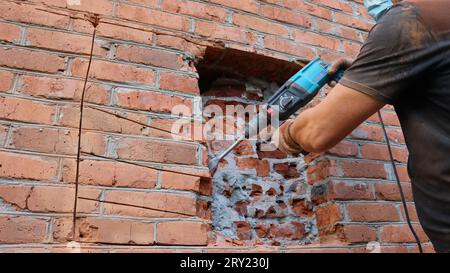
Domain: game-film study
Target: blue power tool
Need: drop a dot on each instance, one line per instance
(301, 88)
(298, 91)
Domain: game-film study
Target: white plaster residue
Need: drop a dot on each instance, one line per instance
(73, 2)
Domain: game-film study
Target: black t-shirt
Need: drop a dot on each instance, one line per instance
(406, 62)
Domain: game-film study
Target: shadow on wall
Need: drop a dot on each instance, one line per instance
(260, 195)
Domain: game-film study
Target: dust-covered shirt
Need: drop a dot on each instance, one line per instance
(406, 62)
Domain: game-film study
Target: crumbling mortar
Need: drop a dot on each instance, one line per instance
(60, 171)
(6, 207)
(8, 138)
(68, 63)
(23, 33)
(114, 8)
(49, 231)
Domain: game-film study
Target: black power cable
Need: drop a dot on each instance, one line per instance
(402, 195)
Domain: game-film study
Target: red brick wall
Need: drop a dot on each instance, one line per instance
(144, 64)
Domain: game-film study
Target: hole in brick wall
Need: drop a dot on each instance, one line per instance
(252, 188)
(241, 66)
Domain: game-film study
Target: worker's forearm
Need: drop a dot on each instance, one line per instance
(323, 126)
(308, 134)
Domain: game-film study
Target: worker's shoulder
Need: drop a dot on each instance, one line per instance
(403, 27)
(433, 13)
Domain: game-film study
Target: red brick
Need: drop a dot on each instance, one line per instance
(261, 167)
(58, 141)
(285, 15)
(354, 234)
(26, 110)
(402, 172)
(61, 199)
(146, 3)
(302, 208)
(244, 148)
(344, 149)
(107, 173)
(150, 101)
(15, 195)
(162, 128)
(390, 118)
(372, 212)
(287, 170)
(173, 203)
(328, 215)
(155, 151)
(3, 134)
(321, 170)
(320, 40)
(181, 233)
(124, 32)
(180, 44)
(351, 21)
(308, 8)
(368, 132)
(380, 152)
(328, 56)
(97, 7)
(37, 168)
(180, 182)
(411, 211)
(107, 231)
(103, 70)
(396, 135)
(195, 9)
(292, 230)
(361, 10)
(347, 7)
(243, 230)
(259, 24)
(351, 34)
(31, 60)
(287, 46)
(374, 118)
(176, 82)
(6, 81)
(17, 230)
(204, 209)
(390, 191)
(363, 169)
(401, 234)
(21, 12)
(152, 57)
(245, 5)
(339, 190)
(9, 33)
(352, 49)
(62, 41)
(66, 89)
(152, 17)
(213, 30)
(100, 121)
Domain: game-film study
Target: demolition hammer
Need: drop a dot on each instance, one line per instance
(298, 91)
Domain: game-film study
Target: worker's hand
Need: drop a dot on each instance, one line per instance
(342, 64)
(283, 140)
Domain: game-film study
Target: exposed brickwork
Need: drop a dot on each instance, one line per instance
(144, 64)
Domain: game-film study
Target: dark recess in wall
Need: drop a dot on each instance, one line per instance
(231, 63)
